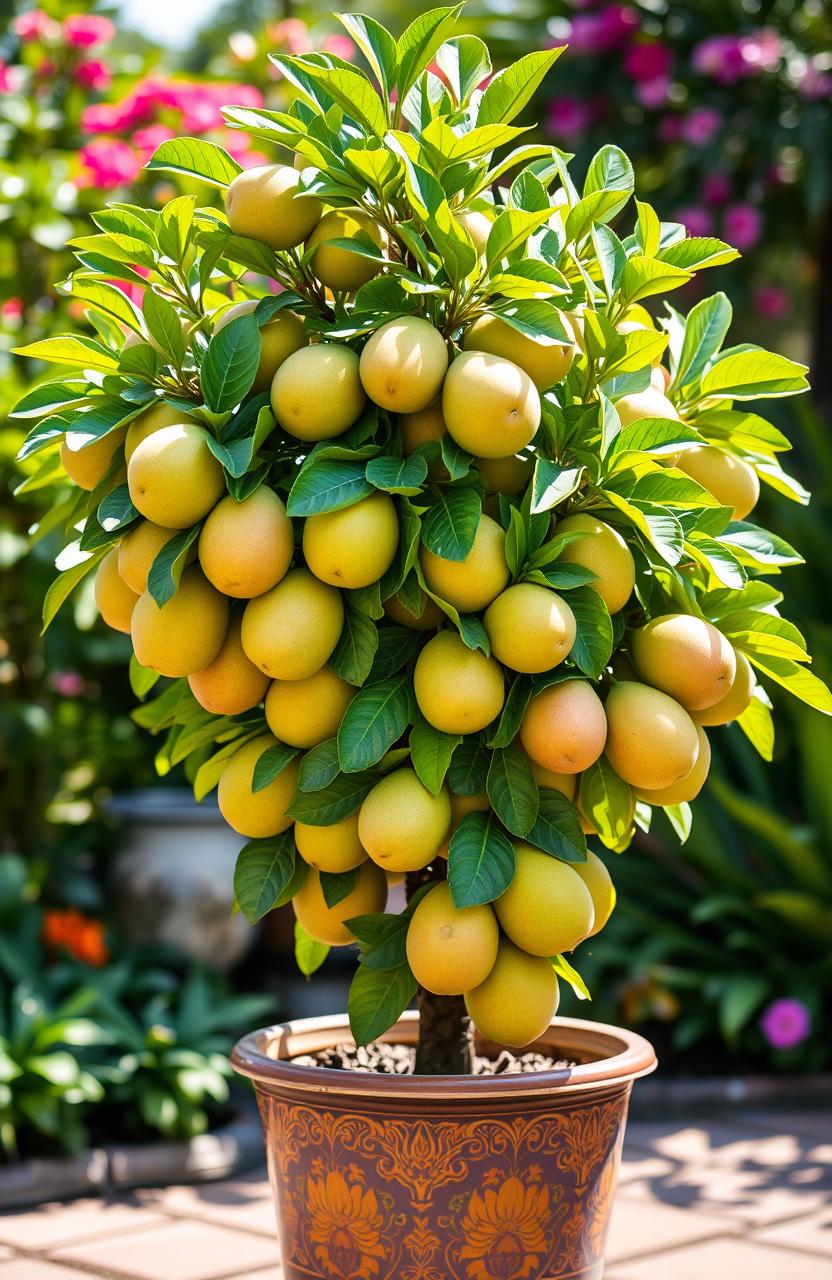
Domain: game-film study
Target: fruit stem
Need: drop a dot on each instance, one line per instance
(446, 1040)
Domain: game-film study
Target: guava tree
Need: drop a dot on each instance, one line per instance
(443, 567)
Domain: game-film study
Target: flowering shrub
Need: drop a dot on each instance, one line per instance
(729, 119)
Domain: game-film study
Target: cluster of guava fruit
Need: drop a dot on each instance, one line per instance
(432, 542)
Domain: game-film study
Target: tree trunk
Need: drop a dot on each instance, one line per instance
(446, 1041)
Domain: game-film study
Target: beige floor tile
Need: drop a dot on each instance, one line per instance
(178, 1251)
(243, 1203)
(270, 1273)
(38, 1269)
(724, 1260)
(639, 1228)
(813, 1233)
(56, 1224)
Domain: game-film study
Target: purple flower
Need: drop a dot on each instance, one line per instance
(719, 57)
(653, 94)
(716, 188)
(602, 31)
(697, 221)
(568, 117)
(700, 125)
(786, 1023)
(648, 61)
(743, 225)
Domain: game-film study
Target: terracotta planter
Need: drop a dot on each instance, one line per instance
(443, 1177)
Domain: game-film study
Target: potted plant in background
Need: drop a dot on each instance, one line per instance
(445, 570)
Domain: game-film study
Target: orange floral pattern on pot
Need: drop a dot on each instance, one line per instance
(451, 1192)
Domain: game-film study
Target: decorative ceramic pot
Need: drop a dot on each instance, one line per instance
(507, 1177)
(172, 877)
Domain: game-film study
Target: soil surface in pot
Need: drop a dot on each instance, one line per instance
(400, 1060)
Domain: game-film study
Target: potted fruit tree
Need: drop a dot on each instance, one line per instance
(441, 545)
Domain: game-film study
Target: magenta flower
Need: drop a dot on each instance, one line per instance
(815, 83)
(743, 225)
(762, 51)
(568, 117)
(697, 221)
(716, 188)
(786, 1023)
(670, 128)
(721, 58)
(700, 125)
(94, 75)
(653, 94)
(648, 61)
(602, 31)
(109, 163)
(83, 30)
(771, 301)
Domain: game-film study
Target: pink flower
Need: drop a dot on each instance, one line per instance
(340, 46)
(696, 220)
(94, 75)
(6, 78)
(83, 30)
(648, 61)
(762, 51)
(716, 188)
(109, 163)
(815, 83)
(743, 225)
(69, 684)
(292, 34)
(146, 140)
(719, 57)
(786, 1023)
(36, 24)
(11, 311)
(568, 117)
(603, 31)
(653, 94)
(700, 125)
(670, 128)
(771, 301)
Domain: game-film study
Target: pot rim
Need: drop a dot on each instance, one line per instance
(613, 1055)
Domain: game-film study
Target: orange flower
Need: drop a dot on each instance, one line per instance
(82, 937)
(345, 1227)
(505, 1232)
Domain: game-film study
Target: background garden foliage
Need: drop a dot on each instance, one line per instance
(738, 919)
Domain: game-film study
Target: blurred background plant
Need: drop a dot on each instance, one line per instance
(723, 944)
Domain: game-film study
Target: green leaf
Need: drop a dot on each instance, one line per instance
(510, 90)
(746, 373)
(469, 766)
(164, 326)
(71, 349)
(510, 230)
(450, 526)
(465, 62)
(396, 646)
(481, 861)
(50, 397)
(592, 649)
(329, 804)
(197, 158)
(309, 952)
(552, 484)
(230, 364)
(351, 90)
(535, 318)
(799, 682)
(644, 277)
(353, 656)
(564, 970)
(694, 253)
(419, 42)
(431, 752)
(336, 886)
(557, 828)
(327, 486)
(166, 571)
(375, 719)
(264, 868)
(705, 329)
(513, 711)
(512, 790)
(741, 997)
(142, 679)
(607, 803)
(65, 584)
(175, 224)
(377, 998)
(398, 475)
(270, 764)
(377, 45)
(758, 726)
(319, 766)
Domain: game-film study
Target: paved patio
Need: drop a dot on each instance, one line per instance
(746, 1197)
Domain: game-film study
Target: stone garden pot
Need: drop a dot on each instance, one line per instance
(172, 877)
(506, 1177)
